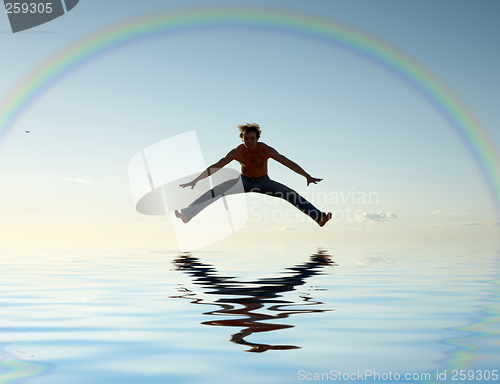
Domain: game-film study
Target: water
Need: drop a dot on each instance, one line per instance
(276, 312)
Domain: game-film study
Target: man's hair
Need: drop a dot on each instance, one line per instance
(249, 127)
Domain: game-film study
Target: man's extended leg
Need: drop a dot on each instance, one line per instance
(272, 188)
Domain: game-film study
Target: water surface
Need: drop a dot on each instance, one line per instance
(141, 312)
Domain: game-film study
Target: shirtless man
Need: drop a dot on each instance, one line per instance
(253, 157)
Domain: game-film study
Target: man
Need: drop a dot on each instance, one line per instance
(253, 156)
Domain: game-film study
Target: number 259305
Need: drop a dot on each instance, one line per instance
(28, 7)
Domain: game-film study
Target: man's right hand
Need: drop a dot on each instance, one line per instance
(312, 180)
(190, 184)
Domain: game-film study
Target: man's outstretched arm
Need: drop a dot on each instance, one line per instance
(212, 169)
(292, 165)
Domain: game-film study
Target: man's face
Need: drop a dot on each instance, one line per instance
(249, 139)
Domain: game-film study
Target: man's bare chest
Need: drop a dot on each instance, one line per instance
(253, 159)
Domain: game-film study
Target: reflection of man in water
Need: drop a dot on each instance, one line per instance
(253, 306)
(253, 156)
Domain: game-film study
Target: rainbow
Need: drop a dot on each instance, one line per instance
(462, 122)
(482, 325)
(14, 370)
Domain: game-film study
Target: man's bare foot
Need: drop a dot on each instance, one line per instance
(181, 216)
(324, 219)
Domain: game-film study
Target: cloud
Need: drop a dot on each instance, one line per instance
(439, 212)
(286, 228)
(356, 229)
(481, 223)
(373, 217)
(82, 181)
(472, 223)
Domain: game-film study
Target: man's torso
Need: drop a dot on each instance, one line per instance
(253, 163)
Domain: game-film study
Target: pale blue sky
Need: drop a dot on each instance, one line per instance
(341, 117)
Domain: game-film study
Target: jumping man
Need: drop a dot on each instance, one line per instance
(253, 156)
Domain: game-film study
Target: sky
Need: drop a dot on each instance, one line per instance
(382, 149)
